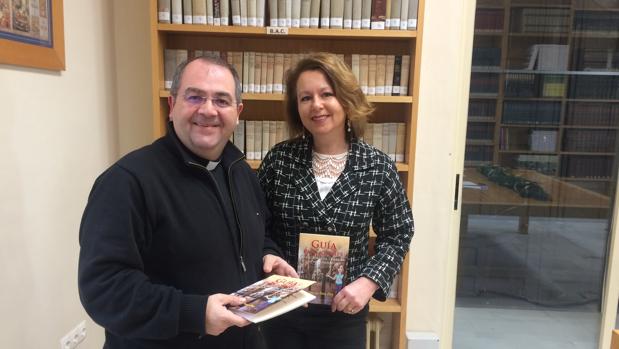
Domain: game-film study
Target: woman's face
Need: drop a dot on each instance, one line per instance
(321, 113)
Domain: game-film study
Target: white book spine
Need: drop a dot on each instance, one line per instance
(289, 13)
(296, 14)
(209, 12)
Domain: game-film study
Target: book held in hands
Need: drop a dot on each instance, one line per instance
(272, 297)
(323, 259)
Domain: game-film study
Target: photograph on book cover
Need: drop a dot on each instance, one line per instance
(31, 33)
(323, 258)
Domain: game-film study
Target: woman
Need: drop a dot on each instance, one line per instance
(327, 181)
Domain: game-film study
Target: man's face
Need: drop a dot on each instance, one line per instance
(205, 111)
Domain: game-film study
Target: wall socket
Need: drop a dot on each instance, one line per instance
(72, 339)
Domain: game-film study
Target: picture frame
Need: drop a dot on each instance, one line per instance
(32, 34)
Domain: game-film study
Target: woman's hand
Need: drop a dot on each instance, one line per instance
(352, 298)
(276, 265)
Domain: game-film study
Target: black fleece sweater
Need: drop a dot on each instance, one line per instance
(156, 241)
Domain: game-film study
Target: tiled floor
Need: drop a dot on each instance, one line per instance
(481, 328)
(546, 272)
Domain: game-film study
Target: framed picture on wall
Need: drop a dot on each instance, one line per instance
(32, 33)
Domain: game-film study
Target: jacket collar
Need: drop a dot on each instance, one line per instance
(230, 154)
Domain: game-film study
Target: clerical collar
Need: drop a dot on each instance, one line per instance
(212, 165)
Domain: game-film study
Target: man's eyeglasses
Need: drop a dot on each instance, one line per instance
(196, 100)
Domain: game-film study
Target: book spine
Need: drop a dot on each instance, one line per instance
(199, 11)
(169, 65)
(278, 73)
(281, 13)
(372, 75)
(250, 132)
(389, 75)
(289, 13)
(209, 12)
(235, 6)
(347, 14)
(224, 8)
(187, 12)
(273, 20)
(260, 8)
(357, 8)
(257, 72)
(177, 11)
(258, 140)
(325, 13)
(381, 67)
(400, 142)
(396, 12)
(337, 14)
(296, 14)
(412, 14)
(315, 14)
(266, 135)
(217, 12)
(366, 14)
(404, 15)
(379, 9)
(406, 60)
(239, 136)
(305, 13)
(244, 9)
(363, 73)
(251, 13)
(163, 11)
(251, 72)
(397, 72)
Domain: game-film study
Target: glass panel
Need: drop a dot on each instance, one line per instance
(540, 167)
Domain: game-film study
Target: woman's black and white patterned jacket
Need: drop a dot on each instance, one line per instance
(369, 191)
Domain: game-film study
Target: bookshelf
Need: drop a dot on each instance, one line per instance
(545, 89)
(269, 106)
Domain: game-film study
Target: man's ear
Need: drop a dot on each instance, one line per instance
(171, 102)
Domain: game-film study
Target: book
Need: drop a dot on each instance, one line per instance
(366, 14)
(273, 18)
(356, 14)
(404, 15)
(258, 140)
(216, 12)
(235, 7)
(239, 136)
(378, 15)
(281, 13)
(209, 12)
(260, 8)
(224, 12)
(412, 14)
(406, 61)
(381, 66)
(272, 297)
(371, 75)
(400, 144)
(289, 13)
(325, 13)
(323, 259)
(296, 14)
(177, 11)
(389, 75)
(347, 14)
(314, 13)
(187, 12)
(270, 72)
(388, 15)
(244, 9)
(251, 13)
(305, 13)
(278, 73)
(396, 7)
(337, 14)
(250, 132)
(363, 73)
(163, 8)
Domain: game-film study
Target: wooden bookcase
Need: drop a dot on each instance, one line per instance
(577, 101)
(257, 106)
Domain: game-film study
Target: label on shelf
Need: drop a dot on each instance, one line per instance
(277, 30)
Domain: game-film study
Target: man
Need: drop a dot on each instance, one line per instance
(171, 229)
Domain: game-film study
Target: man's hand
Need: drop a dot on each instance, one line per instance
(218, 317)
(352, 298)
(276, 265)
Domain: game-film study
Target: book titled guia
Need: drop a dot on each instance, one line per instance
(323, 259)
(272, 297)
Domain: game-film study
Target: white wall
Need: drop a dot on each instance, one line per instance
(445, 70)
(59, 131)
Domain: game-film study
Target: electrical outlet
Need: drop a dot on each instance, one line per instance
(72, 339)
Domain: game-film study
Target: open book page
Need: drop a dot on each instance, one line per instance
(271, 297)
(323, 259)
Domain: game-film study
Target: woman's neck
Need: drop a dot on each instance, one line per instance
(329, 146)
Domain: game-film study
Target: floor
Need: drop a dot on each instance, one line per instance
(539, 290)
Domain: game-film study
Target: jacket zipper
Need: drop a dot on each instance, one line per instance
(236, 218)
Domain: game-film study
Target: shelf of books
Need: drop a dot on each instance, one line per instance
(544, 91)
(379, 39)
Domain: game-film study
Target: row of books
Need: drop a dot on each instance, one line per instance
(592, 114)
(486, 57)
(490, 20)
(535, 85)
(336, 14)
(482, 108)
(594, 87)
(596, 21)
(264, 72)
(480, 131)
(540, 20)
(596, 59)
(484, 84)
(531, 112)
(595, 141)
(583, 166)
(256, 137)
(478, 153)
(543, 141)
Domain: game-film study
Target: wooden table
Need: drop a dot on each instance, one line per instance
(567, 200)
